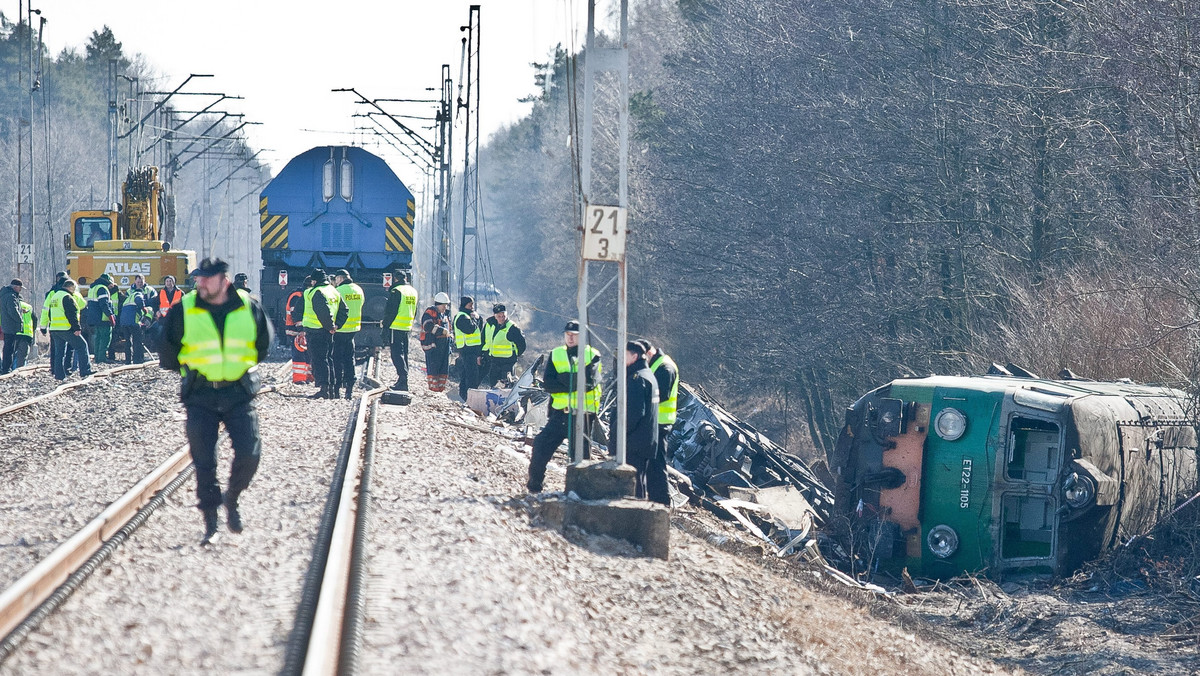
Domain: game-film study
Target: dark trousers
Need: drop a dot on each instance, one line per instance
(135, 343)
(203, 425)
(469, 359)
(400, 358)
(559, 427)
(20, 350)
(343, 360)
(652, 478)
(58, 354)
(78, 352)
(498, 369)
(320, 355)
(6, 358)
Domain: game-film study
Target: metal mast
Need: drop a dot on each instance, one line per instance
(603, 227)
(468, 277)
(439, 272)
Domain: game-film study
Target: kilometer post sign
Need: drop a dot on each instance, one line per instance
(604, 233)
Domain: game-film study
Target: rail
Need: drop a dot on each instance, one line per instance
(62, 389)
(325, 637)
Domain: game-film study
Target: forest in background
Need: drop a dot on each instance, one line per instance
(70, 129)
(826, 195)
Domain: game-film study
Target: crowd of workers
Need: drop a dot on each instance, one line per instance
(216, 335)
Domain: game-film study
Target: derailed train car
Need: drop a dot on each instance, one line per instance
(1004, 474)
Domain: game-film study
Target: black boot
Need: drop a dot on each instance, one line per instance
(233, 519)
(348, 395)
(210, 526)
(322, 393)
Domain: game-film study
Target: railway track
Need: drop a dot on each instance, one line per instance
(330, 581)
(68, 387)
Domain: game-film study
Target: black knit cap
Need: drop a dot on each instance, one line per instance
(210, 267)
(464, 301)
(635, 347)
(317, 275)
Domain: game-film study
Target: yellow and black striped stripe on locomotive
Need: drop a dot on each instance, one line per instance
(273, 228)
(399, 233)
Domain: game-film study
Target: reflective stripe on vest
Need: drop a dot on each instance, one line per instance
(218, 356)
(94, 295)
(310, 320)
(169, 300)
(496, 342)
(132, 294)
(408, 308)
(564, 364)
(352, 296)
(668, 407)
(26, 320)
(53, 316)
(462, 340)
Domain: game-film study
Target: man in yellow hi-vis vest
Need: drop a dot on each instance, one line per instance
(398, 316)
(215, 337)
(353, 299)
(559, 379)
(469, 342)
(666, 373)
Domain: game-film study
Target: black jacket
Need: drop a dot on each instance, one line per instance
(641, 413)
(468, 323)
(554, 382)
(10, 311)
(71, 311)
(514, 334)
(168, 357)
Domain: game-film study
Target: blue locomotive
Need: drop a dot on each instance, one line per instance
(335, 207)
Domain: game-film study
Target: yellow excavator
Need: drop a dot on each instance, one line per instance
(128, 241)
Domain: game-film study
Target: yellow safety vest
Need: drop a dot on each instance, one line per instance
(352, 296)
(408, 308)
(53, 316)
(496, 342)
(217, 357)
(310, 320)
(132, 294)
(668, 406)
(26, 319)
(564, 364)
(80, 303)
(462, 340)
(94, 294)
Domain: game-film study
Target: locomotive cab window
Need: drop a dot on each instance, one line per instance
(92, 229)
(1028, 527)
(1033, 451)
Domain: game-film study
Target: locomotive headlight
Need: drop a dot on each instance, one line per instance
(950, 424)
(1078, 490)
(942, 541)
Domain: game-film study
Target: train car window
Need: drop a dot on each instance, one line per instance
(327, 180)
(92, 229)
(1034, 451)
(1028, 523)
(347, 182)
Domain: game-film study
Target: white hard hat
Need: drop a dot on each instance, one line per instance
(441, 298)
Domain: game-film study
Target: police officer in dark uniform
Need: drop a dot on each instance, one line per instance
(398, 318)
(324, 311)
(216, 336)
(559, 379)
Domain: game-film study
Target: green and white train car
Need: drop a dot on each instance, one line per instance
(1003, 474)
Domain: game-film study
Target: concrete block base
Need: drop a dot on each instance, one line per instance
(595, 480)
(644, 524)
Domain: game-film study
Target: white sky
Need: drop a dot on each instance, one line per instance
(284, 56)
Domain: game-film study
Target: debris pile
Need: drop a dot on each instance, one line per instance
(730, 468)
